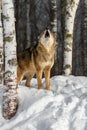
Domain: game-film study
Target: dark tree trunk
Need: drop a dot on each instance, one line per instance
(1, 49)
(85, 36)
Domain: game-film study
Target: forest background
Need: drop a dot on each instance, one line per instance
(33, 16)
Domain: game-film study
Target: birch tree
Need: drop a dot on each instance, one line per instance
(54, 30)
(85, 36)
(54, 17)
(10, 95)
(1, 49)
(71, 7)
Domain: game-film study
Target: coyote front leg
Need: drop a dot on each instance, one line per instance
(39, 78)
(47, 77)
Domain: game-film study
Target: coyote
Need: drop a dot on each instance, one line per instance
(37, 60)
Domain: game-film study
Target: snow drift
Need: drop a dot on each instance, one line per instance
(62, 108)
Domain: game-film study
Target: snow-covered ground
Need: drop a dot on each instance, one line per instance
(62, 108)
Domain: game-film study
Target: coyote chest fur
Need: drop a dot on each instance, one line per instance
(37, 60)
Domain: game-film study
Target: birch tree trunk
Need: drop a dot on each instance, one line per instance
(54, 30)
(71, 6)
(85, 36)
(10, 102)
(1, 49)
(54, 17)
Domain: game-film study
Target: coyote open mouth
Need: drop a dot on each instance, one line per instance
(47, 34)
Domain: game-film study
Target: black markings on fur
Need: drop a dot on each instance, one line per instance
(30, 53)
(35, 53)
(23, 56)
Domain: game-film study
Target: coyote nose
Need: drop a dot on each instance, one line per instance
(47, 34)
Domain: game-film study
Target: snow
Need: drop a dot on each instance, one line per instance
(62, 108)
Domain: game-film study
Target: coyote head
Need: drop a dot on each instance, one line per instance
(46, 38)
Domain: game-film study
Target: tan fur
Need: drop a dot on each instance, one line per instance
(37, 60)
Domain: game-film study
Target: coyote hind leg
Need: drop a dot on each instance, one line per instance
(29, 76)
(19, 75)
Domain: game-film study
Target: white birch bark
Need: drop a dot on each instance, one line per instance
(54, 30)
(71, 7)
(1, 48)
(54, 17)
(10, 95)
